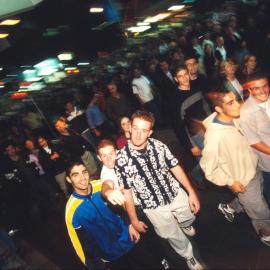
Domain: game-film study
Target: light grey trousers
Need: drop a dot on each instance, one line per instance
(168, 220)
(253, 203)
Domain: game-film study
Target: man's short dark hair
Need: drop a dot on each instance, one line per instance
(256, 76)
(190, 55)
(216, 97)
(8, 143)
(143, 115)
(179, 69)
(71, 165)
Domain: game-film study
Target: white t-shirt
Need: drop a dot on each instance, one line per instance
(109, 174)
(142, 87)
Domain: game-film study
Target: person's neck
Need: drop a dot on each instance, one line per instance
(141, 147)
(231, 77)
(249, 70)
(224, 118)
(184, 87)
(85, 192)
(193, 76)
(65, 132)
(14, 158)
(127, 134)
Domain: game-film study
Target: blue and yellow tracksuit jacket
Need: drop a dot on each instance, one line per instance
(95, 231)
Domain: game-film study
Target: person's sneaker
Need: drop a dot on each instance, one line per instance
(189, 230)
(266, 240)
(227, 211)
(193, 264)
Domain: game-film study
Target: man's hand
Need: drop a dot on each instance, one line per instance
(54, 156)
(196, 151)
(133, 234)
(96, 132)
(140, 226)
(115, 196)
(194, 202)
(237, 187)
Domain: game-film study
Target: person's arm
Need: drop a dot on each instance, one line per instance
(133, 234)
(261, 147)
(130, 208)
(180, 175)
(114, 196)
(212, 166)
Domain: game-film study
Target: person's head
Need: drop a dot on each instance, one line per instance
(29, 145)
(220, 41)
(258, 87)
(69, 106)
(78, 176)
(61, 125)
(125, 124)
(208, 49)
(42, 141)
(181, 77)
(94, 98)
(164, 66)
(227, 68)
(11, 149)
(225, 104)
(142, 123)
(112, 88)
(136, 72)
(191, 63)
(250, 62)
(106, 151)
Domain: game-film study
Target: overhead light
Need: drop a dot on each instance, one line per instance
(1, 68)
(139, 29)
(96, 10)
(159, 17)
(10, 22)
(176, 7)
(4, 35)
(83, 64)
(143, 23)
(65, 56)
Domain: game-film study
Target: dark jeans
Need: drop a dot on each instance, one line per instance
(266, 187)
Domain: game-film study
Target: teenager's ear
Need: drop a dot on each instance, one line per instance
(218, 109)
(68, 179)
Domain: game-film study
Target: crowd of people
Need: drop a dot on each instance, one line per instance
(208, 82)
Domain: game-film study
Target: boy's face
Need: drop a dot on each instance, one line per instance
(79, 179)
(230, 106)
(107, 155)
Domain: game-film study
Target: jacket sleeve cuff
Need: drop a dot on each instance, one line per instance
(230, 182)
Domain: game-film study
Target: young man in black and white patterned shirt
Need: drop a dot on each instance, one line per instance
(147, 167)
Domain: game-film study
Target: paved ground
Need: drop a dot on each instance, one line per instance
(222, 245)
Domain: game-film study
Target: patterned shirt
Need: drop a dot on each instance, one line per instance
(148, 174)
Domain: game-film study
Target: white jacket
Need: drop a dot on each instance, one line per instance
(227, 156)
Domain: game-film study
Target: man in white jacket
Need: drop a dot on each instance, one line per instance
(228, 160)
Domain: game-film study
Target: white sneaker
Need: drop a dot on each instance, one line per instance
(193, 264)
(189, 230)
(227, 211)
(266, 240)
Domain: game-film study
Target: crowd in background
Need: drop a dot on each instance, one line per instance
(222, 49)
